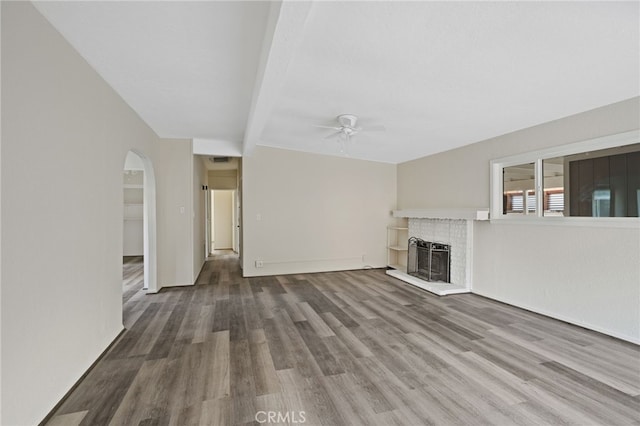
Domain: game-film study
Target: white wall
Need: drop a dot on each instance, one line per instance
(61, 256)
(223, 219)
(308, 213)
(558, 271)
(174, 177)
(62, 250)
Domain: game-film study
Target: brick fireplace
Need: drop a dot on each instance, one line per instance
(452, 229)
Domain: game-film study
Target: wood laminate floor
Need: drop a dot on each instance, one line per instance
(346, 348)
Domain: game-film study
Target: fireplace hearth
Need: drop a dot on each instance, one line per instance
(429, 261)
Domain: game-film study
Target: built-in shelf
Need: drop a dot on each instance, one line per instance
(397, 237)
(455, 213)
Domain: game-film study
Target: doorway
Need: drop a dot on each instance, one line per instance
(139, 217)
(222, 221)
(223, 209)
(132, 235)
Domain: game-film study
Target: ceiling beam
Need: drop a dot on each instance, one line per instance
(216, 147)
(285, 28)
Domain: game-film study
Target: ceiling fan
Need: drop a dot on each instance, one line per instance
(348, 127)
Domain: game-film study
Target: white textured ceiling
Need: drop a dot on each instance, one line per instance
(437, 75)
(187, 68)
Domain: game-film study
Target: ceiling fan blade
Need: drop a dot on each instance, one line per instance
(326, 127)
(334, 135)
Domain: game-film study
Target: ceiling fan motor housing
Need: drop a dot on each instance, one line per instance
(348, 120)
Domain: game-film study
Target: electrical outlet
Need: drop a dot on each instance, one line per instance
(259, 263)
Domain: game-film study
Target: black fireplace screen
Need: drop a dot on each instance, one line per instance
(428, 260)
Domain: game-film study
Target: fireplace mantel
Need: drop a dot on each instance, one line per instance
(453, 213)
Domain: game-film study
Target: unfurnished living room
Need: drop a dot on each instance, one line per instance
(320, 213)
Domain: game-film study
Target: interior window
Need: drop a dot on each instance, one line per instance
(519, 196)
(553, 198)
(604, 183)
(595, 178)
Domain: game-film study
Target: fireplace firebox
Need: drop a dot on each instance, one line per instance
(429, 261)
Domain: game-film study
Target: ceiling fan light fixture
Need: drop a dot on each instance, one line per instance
(347, 127)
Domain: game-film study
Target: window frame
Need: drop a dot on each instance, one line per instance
(537, 157)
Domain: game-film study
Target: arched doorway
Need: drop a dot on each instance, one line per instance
(136, 160)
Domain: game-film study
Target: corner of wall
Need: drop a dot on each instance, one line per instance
(296, 222)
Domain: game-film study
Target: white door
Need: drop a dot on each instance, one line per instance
(223, 219)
